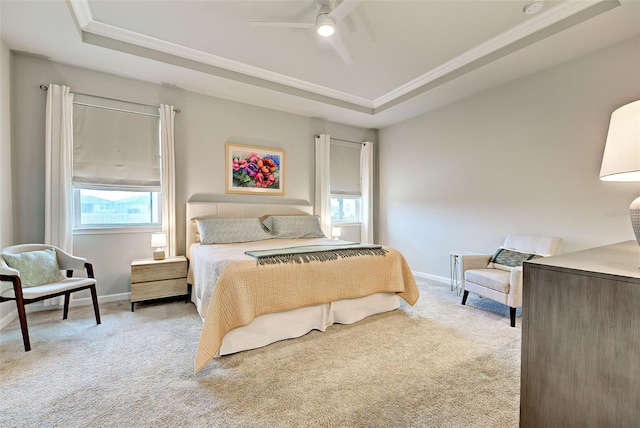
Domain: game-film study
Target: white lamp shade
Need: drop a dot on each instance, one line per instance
(336, 231)
(158, 240)
(621, 159)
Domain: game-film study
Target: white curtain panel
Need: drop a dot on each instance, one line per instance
(58, 226)
(167, 119)
(323, 182)
(366, 182)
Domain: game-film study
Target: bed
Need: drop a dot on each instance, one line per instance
(250, 301)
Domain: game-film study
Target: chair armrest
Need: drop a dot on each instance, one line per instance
(67, 261)
(8, 271)
(89, 268)
(473, 261)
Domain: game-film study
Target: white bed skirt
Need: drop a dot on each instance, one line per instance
(270, 328)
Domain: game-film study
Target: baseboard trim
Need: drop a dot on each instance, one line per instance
(83, 301)
(436, 278)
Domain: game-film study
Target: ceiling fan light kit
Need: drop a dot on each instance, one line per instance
(327, 20)
(325, 26)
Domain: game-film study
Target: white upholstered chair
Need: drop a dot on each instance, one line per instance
(42, 265)
(498, 276)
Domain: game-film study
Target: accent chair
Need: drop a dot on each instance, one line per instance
(498, 276)
(33, 272)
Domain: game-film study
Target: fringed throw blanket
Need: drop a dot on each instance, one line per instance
(315, 253)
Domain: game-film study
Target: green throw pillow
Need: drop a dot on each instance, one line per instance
(505, 258)
(35, 267)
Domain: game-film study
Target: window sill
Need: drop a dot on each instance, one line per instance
(115, 230)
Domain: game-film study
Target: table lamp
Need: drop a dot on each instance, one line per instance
(621, 159)
(158, 241)
(336, 232)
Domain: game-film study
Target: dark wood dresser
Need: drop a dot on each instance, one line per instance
(581, 339)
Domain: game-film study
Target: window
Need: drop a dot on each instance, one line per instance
(116, 208)
(346, 196)
(116, 166)
(345, 210)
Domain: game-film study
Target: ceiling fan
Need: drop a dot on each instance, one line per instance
(328, 17)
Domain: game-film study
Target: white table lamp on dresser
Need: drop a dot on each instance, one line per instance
(621, 159)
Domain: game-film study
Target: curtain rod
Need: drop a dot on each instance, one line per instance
(346, 141)
(46, 88)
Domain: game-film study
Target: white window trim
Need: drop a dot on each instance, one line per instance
(115, 230)
(79, 229)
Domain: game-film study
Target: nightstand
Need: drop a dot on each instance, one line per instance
(155, 279)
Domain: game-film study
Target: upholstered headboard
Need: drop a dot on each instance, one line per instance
(234, 210)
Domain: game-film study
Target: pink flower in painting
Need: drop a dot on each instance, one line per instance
(239, 163)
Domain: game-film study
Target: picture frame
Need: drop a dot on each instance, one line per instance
(254, 170)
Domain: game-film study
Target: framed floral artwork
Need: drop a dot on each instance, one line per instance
(258, 170)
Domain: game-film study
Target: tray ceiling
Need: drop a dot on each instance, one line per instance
(408, 56)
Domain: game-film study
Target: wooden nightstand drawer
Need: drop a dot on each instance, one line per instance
(156, 279)
(158, 289)
(154, 270)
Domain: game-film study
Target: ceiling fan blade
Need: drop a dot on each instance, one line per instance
(343, 9)
(282, 24)
(339, 46)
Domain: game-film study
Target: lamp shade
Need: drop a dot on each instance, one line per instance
(158, 240)
(621, 159)
(336, 231)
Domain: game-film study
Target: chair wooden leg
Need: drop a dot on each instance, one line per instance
(22, 315)
(65, 311)
(464, 297)
(94, 297)
(512, 312)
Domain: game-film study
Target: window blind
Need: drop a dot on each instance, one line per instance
(345, 169)
(115, 150)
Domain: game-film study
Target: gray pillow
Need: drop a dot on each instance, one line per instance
(35, 267)
(230, 230)
(289, 227)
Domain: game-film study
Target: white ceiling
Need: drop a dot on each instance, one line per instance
(408, 56)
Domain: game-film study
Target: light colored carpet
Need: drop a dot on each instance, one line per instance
(438, 364)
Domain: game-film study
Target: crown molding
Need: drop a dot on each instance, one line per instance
(82, 13)
(537, 23)
(81, 9)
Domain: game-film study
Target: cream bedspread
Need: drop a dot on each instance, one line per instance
(245, 290)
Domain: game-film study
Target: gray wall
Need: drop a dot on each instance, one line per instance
(202, 129)
(6, 207)
(521, 158)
